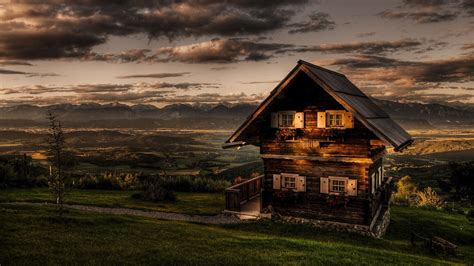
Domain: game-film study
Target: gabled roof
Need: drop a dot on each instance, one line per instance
(345, 93)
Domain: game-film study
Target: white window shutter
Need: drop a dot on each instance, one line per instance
(274, 122)
(321, 119)
(301, 184)
(348, 120)
(276, 181)
(351, 187)
(324, 185)
(299, 120)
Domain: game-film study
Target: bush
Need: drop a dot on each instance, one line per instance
(154, 191)
(191, 184)
(20, 171)
(107, 180)
(406, 193)
(429, 198)
(470, 214)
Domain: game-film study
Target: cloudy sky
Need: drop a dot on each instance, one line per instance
(206, 51)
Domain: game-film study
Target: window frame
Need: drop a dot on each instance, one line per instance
(338, 179)
(284, 177)
(281, 114)
(335, 114)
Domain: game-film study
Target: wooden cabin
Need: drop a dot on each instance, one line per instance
(322, 141)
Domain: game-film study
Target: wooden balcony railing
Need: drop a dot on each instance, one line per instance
(240, 193)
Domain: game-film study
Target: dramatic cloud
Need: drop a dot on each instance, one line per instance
(420, 16)
(240, 49)
(106, 88)
(425, 3)
(260, 82)
(214, 51)
(318, 21)
(15, 63)
(33, 29)
(155, 76)
(388, 77)
(127, 93)
(375, 47)
(27, 74)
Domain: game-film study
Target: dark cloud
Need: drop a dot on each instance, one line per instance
(155, 76)
(27, 74)
(260, 82)
(459, 69)
(242, 49)
(375, 47)
(33, 29)
(388, 77)
(12, 72)
(426, 3)
(420, 16)
(15, 63)
(107, 88)
(318, 21)
(214, 51)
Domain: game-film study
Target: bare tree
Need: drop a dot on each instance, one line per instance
(57, 177)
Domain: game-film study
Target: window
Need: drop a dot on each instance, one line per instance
(289, 182)
(338, 185)
(286, 120)
(334, 120)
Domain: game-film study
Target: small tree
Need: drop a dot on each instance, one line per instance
(406, 192)
(57, 177)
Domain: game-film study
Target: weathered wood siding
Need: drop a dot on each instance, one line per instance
(309, 203)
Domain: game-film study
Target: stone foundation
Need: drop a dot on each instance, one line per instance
(378, 229)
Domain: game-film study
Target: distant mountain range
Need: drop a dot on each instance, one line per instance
(408, 114)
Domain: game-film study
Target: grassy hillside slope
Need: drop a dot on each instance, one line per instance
(31, 235)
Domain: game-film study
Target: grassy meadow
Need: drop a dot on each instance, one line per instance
(33, 235)
(186, 202)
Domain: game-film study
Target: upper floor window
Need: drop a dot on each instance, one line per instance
(286, 120)
(335, 120)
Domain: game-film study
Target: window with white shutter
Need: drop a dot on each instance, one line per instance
(287, 119)
(338, 185)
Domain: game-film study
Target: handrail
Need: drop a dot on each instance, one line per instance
(238, 194)
(245, 182)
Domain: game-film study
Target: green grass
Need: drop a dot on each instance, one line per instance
(186, 202)
(33, 235)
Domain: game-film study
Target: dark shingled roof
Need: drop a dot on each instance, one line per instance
(348, 95)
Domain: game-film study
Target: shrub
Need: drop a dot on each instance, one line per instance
(406, 193)
(192, 184)
(108, 180)
(154, 191)
(429, 198)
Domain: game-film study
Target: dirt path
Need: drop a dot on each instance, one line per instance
(216, 219)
